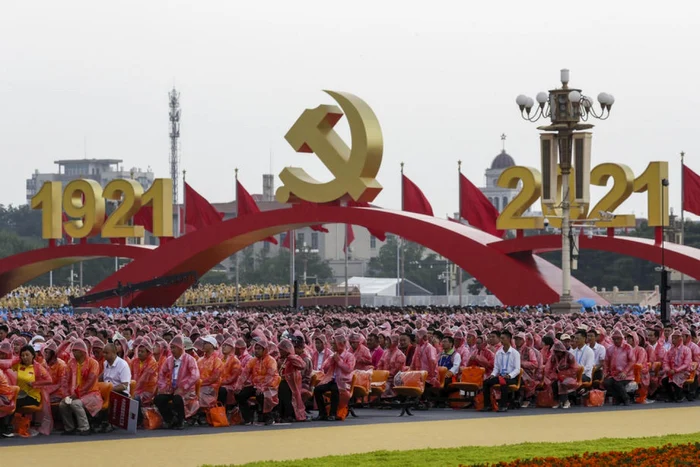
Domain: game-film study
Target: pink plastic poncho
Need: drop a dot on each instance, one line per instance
(262, 374)
(363, 358)
(425, 359)
(619, 361)
(210, 370)
(392, 361)
(229, 376)
(42, 381)
(531, 370)
(678, 359)
(88, 391)
(188, 376)
(291, 368)
(146, 376)
(561, 368)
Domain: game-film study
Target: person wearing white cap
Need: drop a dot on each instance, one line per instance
(210, 370)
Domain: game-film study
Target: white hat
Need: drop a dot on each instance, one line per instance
(211, 340)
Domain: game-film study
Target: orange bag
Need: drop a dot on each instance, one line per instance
(151, 418)
(595, 398)
(21, 425)
(545, 398)
(216, 416)
(473, 375)
(479, 401)
(235, 418)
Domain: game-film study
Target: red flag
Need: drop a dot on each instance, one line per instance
(190, 228)
(381, 236)
(476, 208)
(144, 217)
(413, 198)
(287, 241)
(350, 235)
(319, 228)
(691, 191)
(245, 204)
(199, 213)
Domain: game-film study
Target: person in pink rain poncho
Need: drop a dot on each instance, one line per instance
(177, 397)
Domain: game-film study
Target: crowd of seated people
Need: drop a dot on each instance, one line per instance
(269, 365)
(208, 294)
(40, 297)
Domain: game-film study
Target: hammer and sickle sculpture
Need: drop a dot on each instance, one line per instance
(354, 168)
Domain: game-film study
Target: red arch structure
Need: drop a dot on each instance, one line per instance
(516, 279)
(679, 257)
(20, 268)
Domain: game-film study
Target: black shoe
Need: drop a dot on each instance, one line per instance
(68, 433)
(8, 434)
(83, 433)
(331, 418)
(320, 418)
(269, 422)
(486, 409)
(503, 409)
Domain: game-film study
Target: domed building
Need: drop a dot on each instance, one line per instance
(499, 197)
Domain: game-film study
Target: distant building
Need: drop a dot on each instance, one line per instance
(499, 196)
(102, 171)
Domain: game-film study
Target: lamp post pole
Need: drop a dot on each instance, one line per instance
(566, 108)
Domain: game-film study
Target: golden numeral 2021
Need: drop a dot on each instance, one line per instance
(623, 185)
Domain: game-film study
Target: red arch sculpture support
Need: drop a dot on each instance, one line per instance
(20, 268)
(682, 258)
(515, 279)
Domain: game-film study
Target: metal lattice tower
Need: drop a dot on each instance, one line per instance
(174, 98)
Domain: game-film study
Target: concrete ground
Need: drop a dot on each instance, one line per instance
(373, 430)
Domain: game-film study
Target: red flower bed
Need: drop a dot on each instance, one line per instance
(665, 456)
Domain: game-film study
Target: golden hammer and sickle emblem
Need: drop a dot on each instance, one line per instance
(354, 169)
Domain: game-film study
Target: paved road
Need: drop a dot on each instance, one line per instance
(365, 417)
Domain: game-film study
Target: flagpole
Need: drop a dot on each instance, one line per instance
(292, 254)
(682, 222)
(459, 218)
(183, 222)
(237, 211)
(346, 265)
(402, 278)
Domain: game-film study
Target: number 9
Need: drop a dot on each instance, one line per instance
(83, 199)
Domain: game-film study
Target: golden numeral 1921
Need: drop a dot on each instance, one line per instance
(623, 185)
(85, 202)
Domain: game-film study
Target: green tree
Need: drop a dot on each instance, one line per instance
(421, 266)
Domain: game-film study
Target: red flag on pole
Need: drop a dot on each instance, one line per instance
(413, 198)
(286, 241)
(190, 228)
(245, 204)
(350, 235)
(691, 191)
(381, 236)
(476, 209)
(200, 213)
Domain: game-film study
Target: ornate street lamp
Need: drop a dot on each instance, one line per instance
(567, 108)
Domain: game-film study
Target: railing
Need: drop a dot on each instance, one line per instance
(431, 300)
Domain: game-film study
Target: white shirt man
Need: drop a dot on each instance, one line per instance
(507, 363)
(585, 357)
(117, 373)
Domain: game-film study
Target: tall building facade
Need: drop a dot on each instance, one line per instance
(102, 171)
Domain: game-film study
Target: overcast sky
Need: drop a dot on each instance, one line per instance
(442, 78)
